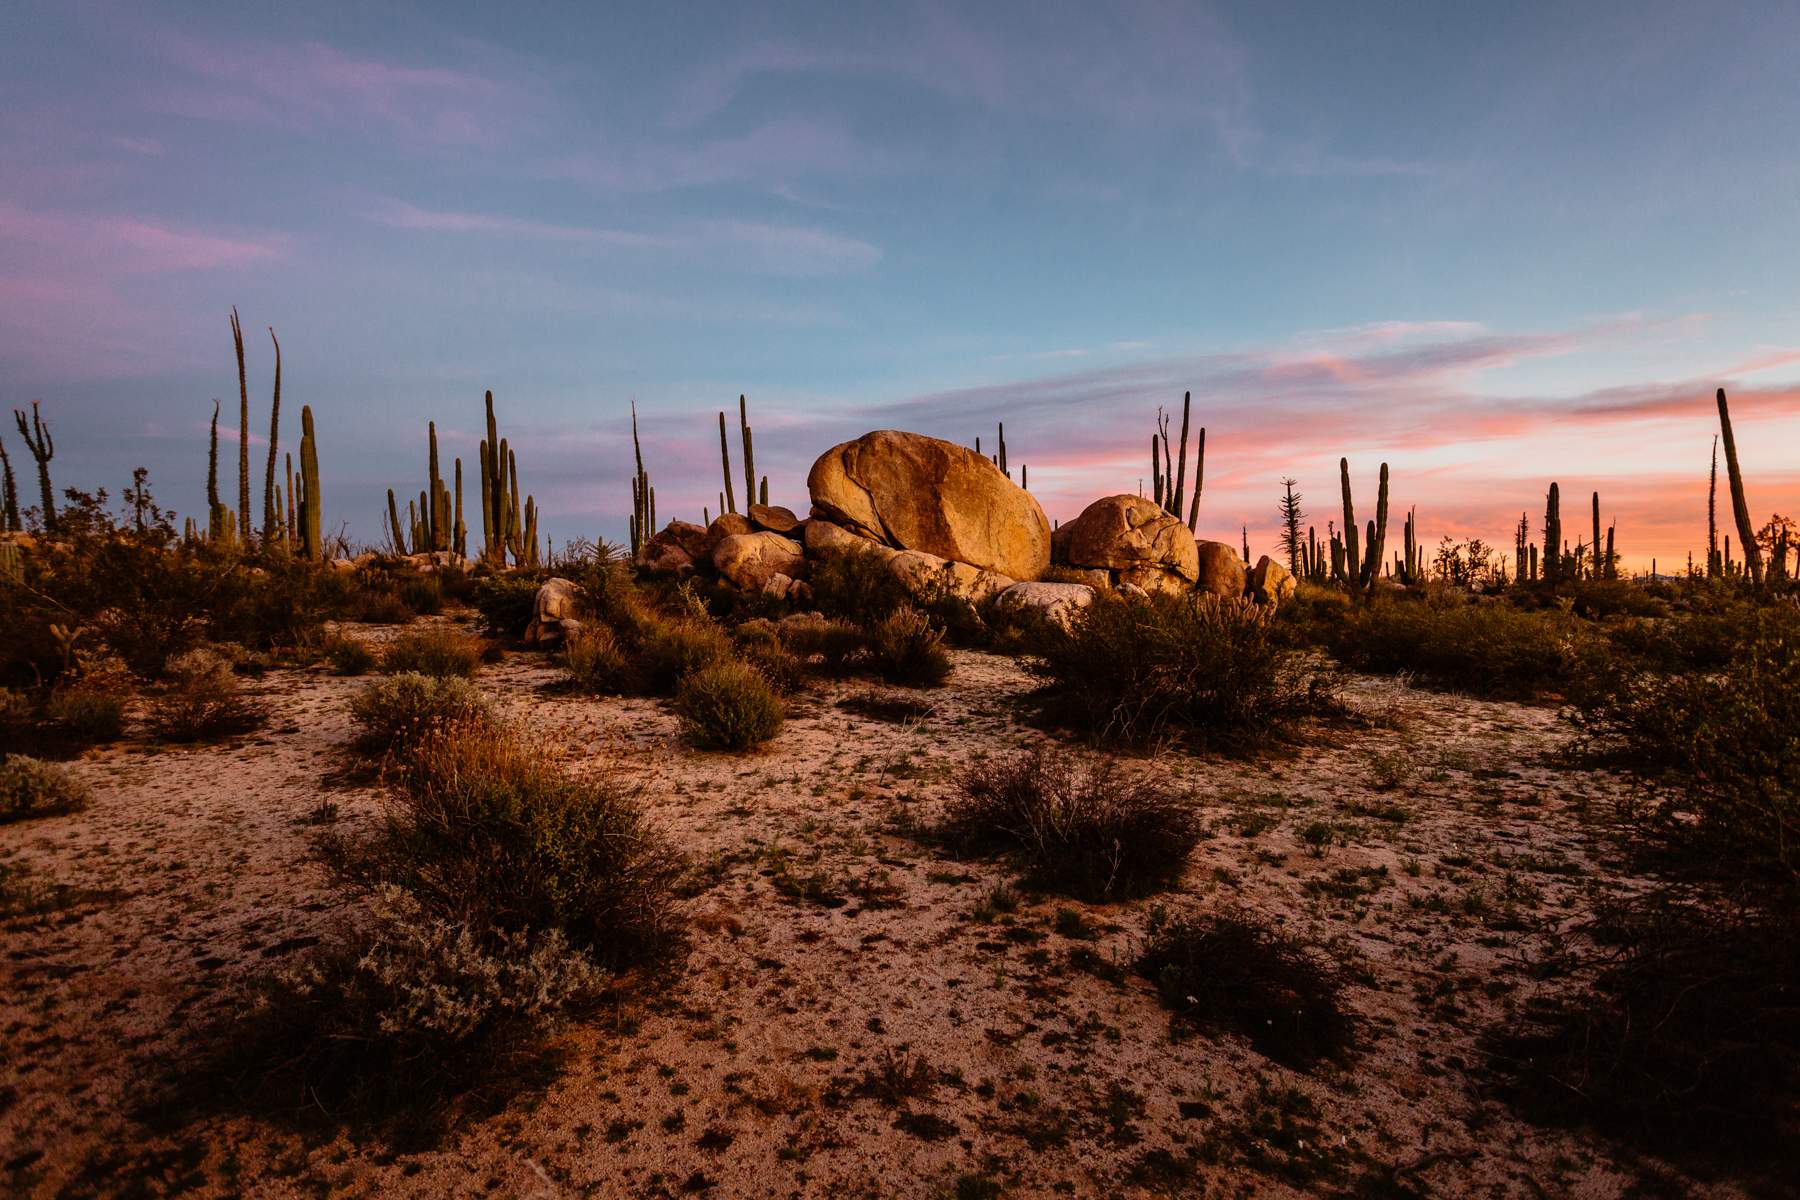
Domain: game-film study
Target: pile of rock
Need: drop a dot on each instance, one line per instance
(948, 522)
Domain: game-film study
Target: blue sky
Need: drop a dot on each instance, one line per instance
(1492, 245)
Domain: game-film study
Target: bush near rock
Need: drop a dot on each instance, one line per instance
(919, 493)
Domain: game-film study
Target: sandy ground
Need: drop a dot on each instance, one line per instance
(1442, 853)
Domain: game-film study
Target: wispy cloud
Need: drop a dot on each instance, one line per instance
(741, 245)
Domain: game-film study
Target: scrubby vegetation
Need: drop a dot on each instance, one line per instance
(1232, 972)
(30, 787)
(728, 706)
(397, 712)
(438, 651)
(908, 648)
(202, 700)
(1087, 828)
(1133, 670)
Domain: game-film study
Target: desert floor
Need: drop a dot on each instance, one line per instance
(860, 1015)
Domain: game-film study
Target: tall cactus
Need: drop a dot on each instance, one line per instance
(1352, 559)
(725, 461)
(1377, 533)
(1553, 539)
(1199, 479)
(312, 504)
(243, 514)
(750, 492)
(1187, 404)
(1712, 515)
(215, 511)
(1599, 563)
(461, 532)
(396, 530)
(9, 493)
(291, 532)
(1740, 508)
(641, 530)
(272, 509)
(43, 449)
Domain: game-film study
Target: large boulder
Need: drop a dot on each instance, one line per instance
(686, 536)
(723, 526)
(928, 576)
(1270, 582)
(1057, 601)
(920, 493)
(556, 599)
(750, 560)
(1221, 570)
(1153, 580)
(1124, 532)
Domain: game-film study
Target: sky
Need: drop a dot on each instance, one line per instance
(1490, 245)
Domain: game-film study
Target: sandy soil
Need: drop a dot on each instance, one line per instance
(1443, 853)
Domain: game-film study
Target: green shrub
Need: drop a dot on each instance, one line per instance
(506, 602)
(1486, 648)
(855, 585)
(487, 828)
(349, 656)
(394, 713)
(908, 648)
(423, 594)
(1134, 669)
(673, 649)
(30, 787)
(597, 663)
(1233, 972)
(202, 701)
(88, 713)
(406, 1005)
(835, 645)
(381, 608)
(1720, 753)
(1678, 1034)
(728, 705)
(1086, 829)
(437, 651)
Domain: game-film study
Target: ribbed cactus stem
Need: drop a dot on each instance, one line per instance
(1553, 538)
(396, 530)
(214, 510)
(749, 453)
(43, 449)
(1187, 404)
(1740, 508)
(1378, 530)
(461, 533)
(762, 492)
(1156, 479)
(271, 507)
(9, 493)
(1199, 479)
(1352, 559)
(1599, 565)
(291, 532)
(725, 465)
(243, 515)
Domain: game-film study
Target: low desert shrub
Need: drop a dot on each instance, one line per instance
(349, 656)
(854, 585)
(505, 602)
(1134, 669)
(836, 646)
(86, 713)
(436, 651)
(908, 648)
(728, 705)
(1719, 756)
(396, 712)
(1088, 829)
(1486, 648)
(1679, 1035)
(381, 607)
(202, 701)
(488, 828)
(759, 644)
(673, 649)
(1233, 972)
(597, 663)
(421, 593)
(405, 1006)
(30, 787)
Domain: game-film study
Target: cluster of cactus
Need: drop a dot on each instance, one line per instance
(1168, 476)
(1740, 508)
(506, 526)
(1359, 565)
(290, 516)
(1316, 557)
(435, 522)
(643, 495)
(753, 493)
(998, 458)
